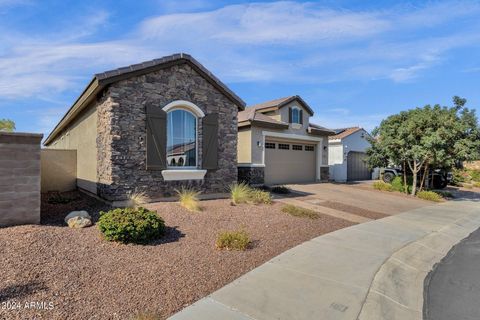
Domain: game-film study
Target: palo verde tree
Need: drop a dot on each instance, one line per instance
(424, 138)
(7, 125)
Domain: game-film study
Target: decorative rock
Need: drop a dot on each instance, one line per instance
(73, 214)
(79, 222)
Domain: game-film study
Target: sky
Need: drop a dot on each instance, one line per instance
(354, 62)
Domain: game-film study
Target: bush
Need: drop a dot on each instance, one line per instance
(258, 196)
(398, 185)
(188, 199)
(429, 195)
(58, 198)
(300, 212)
(476, 184)
(129, 225)
(380, 185)
(445, 194)
(280, 190)
(243, 193)
(239, 193)
(233, 240)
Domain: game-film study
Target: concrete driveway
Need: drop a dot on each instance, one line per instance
(358, 195)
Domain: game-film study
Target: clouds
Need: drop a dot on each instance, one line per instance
(284, 43)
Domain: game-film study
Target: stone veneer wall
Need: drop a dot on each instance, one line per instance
(324, 174)
(121, 139)
(251, 175)
(19, 178)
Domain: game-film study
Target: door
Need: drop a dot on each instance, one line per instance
(356, 167)
(287, 162)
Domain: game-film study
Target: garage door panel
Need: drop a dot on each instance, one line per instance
(289, 166)
(357, 168)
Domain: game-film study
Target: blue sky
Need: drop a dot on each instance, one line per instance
(354, 62)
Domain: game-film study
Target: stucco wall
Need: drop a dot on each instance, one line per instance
(19, 178)
(122, 133)
(59, 170)
(284, 117)
(81, 136)
(338, 163)
(244, 147)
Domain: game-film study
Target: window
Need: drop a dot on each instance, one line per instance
(296, 114)
(181, 138)
(297, 147)
(269, 145)
(283, 146)
(309, 148)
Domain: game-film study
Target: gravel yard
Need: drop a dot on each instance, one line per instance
(77, 275)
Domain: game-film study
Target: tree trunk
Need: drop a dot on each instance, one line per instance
(405, 186)
(425, 173)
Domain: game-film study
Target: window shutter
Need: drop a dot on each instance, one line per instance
(156, 138)
(300, 114)
(289, 115)
(210, 141)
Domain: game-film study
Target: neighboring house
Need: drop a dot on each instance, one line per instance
(277, 144)
(346, 155)
(152, 127)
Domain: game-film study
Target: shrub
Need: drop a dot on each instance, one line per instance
(129, 225)
(239, 193)
(429, 195)
(467, 186)
(280, 190)
(233, 240)
(300, 212)
(243, 193)
(58, 198)
(380, 185)
(474, 174)
(258, 196)
(147, 316)
(136, 199)
(445, 194)
(188, 199)
(477, 184)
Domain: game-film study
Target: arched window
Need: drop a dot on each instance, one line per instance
(182, 126)
(173, 163)
(296, 115)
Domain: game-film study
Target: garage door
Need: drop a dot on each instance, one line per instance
(289, 162)
(356, 167)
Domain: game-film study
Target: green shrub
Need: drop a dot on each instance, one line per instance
(280, 190)
(380, 185)
(239, 193)
(258, 196)
(474, 174)
(476, 184)
(188, 199)
(300, 212)
(233, 240)
(445, 194)
(129, 225)
(429, 195)
(58, 198)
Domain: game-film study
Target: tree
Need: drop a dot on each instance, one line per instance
(7, 125)
(427, 137)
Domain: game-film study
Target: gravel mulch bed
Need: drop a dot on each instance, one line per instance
(85, 277)
(352, 209)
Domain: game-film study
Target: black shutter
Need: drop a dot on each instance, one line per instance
(156, 138)
(300, 114)
(289, 115)
(210, 141)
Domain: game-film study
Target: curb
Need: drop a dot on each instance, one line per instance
(397, 290)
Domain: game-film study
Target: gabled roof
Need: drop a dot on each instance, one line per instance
(249, 116)
(101, 80)
(278, 103)
(343, 133)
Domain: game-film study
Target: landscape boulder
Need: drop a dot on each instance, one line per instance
(73, 214)
(79, 222)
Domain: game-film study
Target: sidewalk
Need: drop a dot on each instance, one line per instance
(373, 270)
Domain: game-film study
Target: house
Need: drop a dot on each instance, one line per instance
(277, 144)
(152, 127)
(346, 155)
